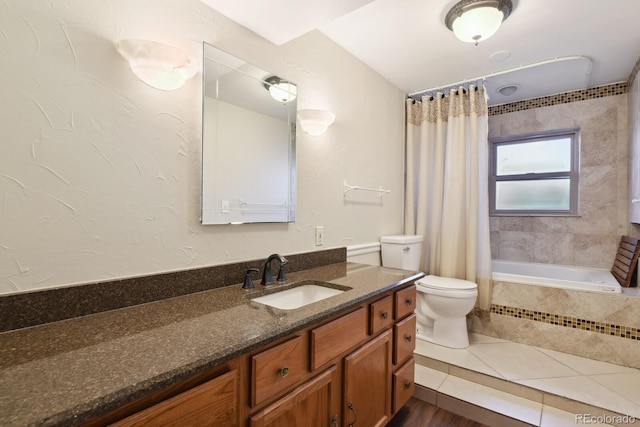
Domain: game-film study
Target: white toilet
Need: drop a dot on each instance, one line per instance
(442, 305)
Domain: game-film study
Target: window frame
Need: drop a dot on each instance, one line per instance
(574, 174)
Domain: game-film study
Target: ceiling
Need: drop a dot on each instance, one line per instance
(544, 47)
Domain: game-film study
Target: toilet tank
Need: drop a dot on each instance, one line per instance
(402, 251)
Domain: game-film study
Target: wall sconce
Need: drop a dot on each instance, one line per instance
(159, 65)
(315, 122)
(281, 90)
(473, 21)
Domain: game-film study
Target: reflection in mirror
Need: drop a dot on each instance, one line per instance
(248, 142)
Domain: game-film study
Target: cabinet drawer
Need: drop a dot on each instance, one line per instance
(403, 384)
(336, 337)
(404, 339)
(405, 302)
(380, 315)
(276, 369)
(214, 404)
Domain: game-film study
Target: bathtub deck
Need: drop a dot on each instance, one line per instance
(499, 382)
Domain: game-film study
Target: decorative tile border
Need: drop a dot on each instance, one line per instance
(561, 98)
(567, 321)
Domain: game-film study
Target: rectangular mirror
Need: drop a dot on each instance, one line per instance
(248, 142)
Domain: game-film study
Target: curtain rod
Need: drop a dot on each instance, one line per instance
(417, 95)
(443, 91)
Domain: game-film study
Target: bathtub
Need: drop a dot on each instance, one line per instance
(555, 276)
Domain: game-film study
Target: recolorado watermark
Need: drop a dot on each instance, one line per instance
(605, 419)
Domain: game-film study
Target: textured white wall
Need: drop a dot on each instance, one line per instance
(100, 174)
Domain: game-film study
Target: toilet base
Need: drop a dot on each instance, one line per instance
(450, 333)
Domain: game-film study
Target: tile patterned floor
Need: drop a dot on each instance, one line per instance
(537, 386)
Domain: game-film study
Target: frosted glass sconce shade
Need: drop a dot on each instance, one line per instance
(315, 122)
(159, 65)
(473, 21)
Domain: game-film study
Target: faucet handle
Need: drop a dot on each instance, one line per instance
(248, 280)
(281, 275)
(267, 275)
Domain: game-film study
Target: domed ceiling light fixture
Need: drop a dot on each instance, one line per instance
(281, 90)
(473, 21)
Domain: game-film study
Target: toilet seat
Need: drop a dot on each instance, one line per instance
(446, 283)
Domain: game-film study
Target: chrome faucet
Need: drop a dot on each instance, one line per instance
(267, 275)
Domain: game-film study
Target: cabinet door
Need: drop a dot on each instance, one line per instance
(212, 404)
(310, 405)
(367, 384)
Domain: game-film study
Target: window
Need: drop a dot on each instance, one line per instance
(535, 174)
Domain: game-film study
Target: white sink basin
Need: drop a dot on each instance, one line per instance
(298, 297)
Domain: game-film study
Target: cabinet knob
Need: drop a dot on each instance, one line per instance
(408, 338)
(409, 301)
(284, 371)
(407, 385)
(385, 314)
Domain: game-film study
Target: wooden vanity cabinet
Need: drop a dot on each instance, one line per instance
(354, 369)
(360, 368)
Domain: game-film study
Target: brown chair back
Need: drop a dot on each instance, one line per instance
(626, 259)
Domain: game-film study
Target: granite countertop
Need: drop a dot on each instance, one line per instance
(70, 371)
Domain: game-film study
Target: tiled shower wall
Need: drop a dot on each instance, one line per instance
(590, 239)
(634, 142)
(603, 327)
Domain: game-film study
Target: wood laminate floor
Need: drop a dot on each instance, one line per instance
(417, 413)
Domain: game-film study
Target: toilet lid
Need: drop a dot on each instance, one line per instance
(402, 239)
(437, 282)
